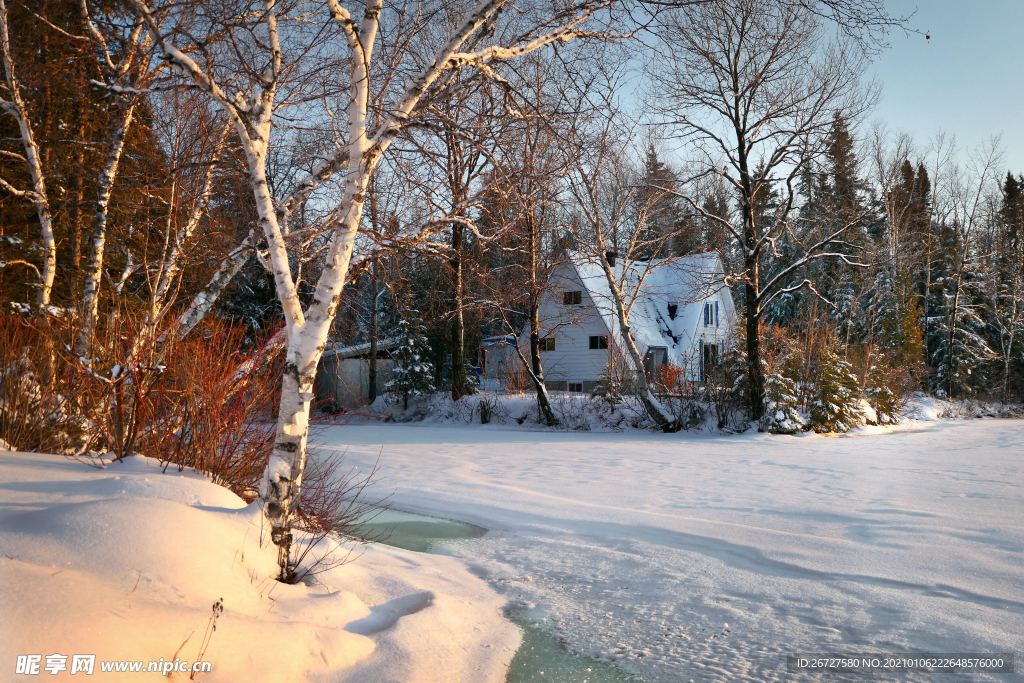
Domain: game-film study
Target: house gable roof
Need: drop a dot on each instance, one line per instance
(684, 282)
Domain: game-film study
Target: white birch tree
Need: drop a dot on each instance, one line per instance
(14, 105)
(263, 77)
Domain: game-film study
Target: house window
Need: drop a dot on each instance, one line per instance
(711, 314)
(547, 344)
(673, 309)
(709, 359)
(598, 342)
(576, 387)
(572, 298)
(655, 357)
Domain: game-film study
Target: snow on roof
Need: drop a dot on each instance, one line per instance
(507, 339)
(388, 344)
(684, 282)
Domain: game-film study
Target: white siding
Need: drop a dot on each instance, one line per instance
(572, 326)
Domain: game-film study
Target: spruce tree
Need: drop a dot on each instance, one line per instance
(835, 398)
(413, 374)
(879, 396)
(780, 397)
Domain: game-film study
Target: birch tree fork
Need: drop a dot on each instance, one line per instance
(358, 151)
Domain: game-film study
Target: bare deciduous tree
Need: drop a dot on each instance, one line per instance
(759, 85)
(257, 60)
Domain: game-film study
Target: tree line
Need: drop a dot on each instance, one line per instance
(309, 173)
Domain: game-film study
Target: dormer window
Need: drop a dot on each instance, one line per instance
(711, 314)
(673, 309)
(572, 298)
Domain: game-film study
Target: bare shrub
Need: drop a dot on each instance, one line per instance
(671, 379)
(38, 390)
(516, 379)
(572, 410)
(216, 412)
(201, 403)
(618, 378)
(333, 505)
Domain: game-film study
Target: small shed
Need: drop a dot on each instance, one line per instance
(343, 378)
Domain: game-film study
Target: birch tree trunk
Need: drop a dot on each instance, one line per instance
(535, 366)
(543, 399)
(204, 300)
(651, 404)
(38, 194)
(97, 251)
(251, 117)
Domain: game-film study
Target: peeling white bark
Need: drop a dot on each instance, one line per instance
(97, 252)
(307, 330)
(204, 300)
(37, 195)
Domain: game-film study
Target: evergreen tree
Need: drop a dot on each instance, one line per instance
(413, 374)
(663, 211)
(781, 415)
(846, 186)
(1011, 218)
(835, 397)
(960, 370)
(893, 320)
(880, 397)
(1005, 289)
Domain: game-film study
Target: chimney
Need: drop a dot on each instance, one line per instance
(610, 257)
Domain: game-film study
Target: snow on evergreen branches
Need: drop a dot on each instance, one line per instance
(413, 374)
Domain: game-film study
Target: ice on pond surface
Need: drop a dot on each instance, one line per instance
(418, 533)
(541, 657)
(640, 547)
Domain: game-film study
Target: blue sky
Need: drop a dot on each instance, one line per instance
(968, 79)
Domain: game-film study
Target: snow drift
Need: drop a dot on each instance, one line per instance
(126, 563)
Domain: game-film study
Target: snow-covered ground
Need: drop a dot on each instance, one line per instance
(125, 563)
(708, 558)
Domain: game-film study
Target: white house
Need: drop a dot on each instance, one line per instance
(682, 315)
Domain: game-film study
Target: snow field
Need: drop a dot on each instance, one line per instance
(126, 562)
(709, 558)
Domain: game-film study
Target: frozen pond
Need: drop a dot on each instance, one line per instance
(710, 557)
(419, 533)
(541, 657)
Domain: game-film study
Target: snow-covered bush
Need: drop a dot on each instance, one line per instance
(883, 403)
(413, 374)
(575, 412)
(834, 395)
(780, 406)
